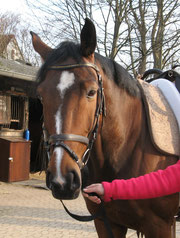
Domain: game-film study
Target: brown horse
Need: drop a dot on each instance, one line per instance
(70, 85)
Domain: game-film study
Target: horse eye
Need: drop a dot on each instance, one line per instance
(91, 93)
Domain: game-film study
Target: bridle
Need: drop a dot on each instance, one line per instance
(57, 140)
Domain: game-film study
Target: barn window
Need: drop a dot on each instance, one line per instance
(12, 112)
(17, 112)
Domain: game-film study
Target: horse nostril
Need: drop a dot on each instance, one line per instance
(73, 180)
(49, 179)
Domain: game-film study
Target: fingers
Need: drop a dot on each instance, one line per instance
(94, 199)
(94, 188)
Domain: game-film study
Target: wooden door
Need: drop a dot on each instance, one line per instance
(20, 164)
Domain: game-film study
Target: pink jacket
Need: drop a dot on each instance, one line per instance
(155, 184)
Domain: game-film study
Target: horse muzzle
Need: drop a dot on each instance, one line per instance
(67, 190)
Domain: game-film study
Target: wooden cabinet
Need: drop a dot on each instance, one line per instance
(14, 159)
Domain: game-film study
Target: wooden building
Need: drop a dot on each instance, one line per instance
(9, 48)
(19, 110)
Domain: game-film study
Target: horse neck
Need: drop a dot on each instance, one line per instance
(119, 131)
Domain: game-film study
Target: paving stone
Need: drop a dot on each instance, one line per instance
(28, 210)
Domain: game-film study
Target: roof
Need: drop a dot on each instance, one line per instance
(4, 41)
(15, 69)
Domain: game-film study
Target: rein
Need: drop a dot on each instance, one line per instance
(101, 213)
(57, 140)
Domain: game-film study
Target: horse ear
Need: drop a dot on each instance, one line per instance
(39, 46)
(88, 38)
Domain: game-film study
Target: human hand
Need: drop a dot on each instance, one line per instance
(94, 188)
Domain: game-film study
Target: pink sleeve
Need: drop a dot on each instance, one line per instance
(155, 184)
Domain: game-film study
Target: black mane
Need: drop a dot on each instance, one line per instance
(114, 71)
(120, 75)
(65, 50)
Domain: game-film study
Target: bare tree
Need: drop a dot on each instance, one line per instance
(64, 19)
(156, 34)
(138, 33)
(9, 23)
(25, 44)
(11, 28)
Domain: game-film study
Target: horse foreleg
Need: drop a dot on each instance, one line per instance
(160, 231)
(173, 229)
(118, 231)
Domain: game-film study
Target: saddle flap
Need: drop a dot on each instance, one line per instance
(162, 123)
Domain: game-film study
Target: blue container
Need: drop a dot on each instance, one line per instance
(27, 134)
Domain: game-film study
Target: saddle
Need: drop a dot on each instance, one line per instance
(163, 126)
(170, 75)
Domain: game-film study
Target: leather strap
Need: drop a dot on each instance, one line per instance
(71, 66)
(101, 213)
(68, 137)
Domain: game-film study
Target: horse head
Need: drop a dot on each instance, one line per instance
(70, 88)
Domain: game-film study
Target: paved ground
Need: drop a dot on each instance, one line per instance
(28, 210)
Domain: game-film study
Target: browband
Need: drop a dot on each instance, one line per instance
(71, 66)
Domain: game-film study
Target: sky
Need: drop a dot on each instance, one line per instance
(16, 6)
(20, 7)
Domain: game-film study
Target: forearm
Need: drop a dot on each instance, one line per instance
(155, 184)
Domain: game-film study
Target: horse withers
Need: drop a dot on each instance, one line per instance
(94, 115)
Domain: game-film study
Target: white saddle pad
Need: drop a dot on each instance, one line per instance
(163, 126)
(171, 94)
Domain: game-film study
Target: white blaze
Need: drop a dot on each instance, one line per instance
(58, 121)
(66, 81)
